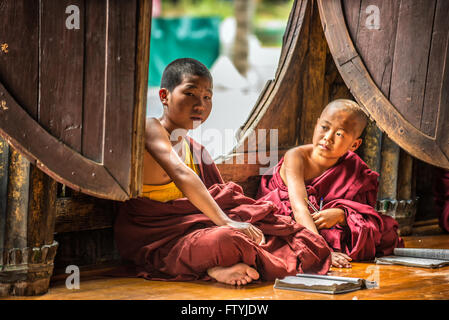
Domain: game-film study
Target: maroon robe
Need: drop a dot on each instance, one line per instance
(441, 196)
(351, 186)
(174, 241)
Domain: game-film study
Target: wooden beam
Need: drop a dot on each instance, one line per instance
(140, 108)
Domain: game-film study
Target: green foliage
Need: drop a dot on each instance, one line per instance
(264, 9)
(272, 10)
(198, 8)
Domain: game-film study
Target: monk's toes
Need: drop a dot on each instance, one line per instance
(252, 273)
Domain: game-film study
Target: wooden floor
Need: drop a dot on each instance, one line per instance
(395, 282)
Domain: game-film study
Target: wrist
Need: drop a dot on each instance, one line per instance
(342, 220)
(223, 220)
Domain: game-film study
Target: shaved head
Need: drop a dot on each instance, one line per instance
(354, 111)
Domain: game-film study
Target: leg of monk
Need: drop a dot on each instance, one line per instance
(223, 253)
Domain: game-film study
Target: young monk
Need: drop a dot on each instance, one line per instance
(328, 174)
(189, 225)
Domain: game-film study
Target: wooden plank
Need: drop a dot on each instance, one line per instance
(85, 248)
(120, 96)
(435, 72)
(342, 41)
(409, 71)
(94, 80)
(4, 164)
(19, 40)
(443, 123)
(83, 213)
(41, 209)
(352, 10)
(142, 67)
(61, 72)
(377, 47)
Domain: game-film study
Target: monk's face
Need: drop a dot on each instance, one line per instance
(189, 104)
(336, 132)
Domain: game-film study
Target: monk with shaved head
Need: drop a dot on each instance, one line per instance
(327, 188)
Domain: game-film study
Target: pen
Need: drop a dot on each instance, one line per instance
(311, 205)
(321, 203)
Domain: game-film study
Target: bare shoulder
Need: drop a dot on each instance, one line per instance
(153, 127)
(155, 130)
(157, 139)
(298, 156)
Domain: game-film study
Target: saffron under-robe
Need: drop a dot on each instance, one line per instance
(175, 241)
(351, 186)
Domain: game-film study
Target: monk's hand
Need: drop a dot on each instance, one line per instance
(326, 219)
(341, 260)
(249, 230)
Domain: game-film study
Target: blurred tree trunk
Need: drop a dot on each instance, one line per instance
(244, 10)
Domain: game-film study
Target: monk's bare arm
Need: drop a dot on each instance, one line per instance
(294, 178)
(157, 143)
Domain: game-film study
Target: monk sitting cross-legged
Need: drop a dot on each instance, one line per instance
(329, 176)
(189, 224)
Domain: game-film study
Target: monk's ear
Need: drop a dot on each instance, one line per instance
(163, 96)
(356, 144)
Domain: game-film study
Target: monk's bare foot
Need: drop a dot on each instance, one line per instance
(341, 260)
(238, 274)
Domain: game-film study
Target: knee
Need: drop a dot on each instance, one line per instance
(225, 235)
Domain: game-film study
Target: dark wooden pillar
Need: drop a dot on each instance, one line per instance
(396, 187)
(371, 146)
(27, 214)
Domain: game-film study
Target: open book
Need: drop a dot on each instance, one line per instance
(322, 283)
(417, 257)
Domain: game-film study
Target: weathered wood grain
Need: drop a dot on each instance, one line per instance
(375, 46)
(83, 213)
(61, 72)
(408, 79)
(19, 25)
(89, 90)
(435, 88)
(41, 209)
(120, 98)
(94, 79)
(18, 199)
(47, 153)
(4, 165)
(141, 89)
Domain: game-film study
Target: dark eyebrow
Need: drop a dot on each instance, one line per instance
(192, 86)
(327, 122)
